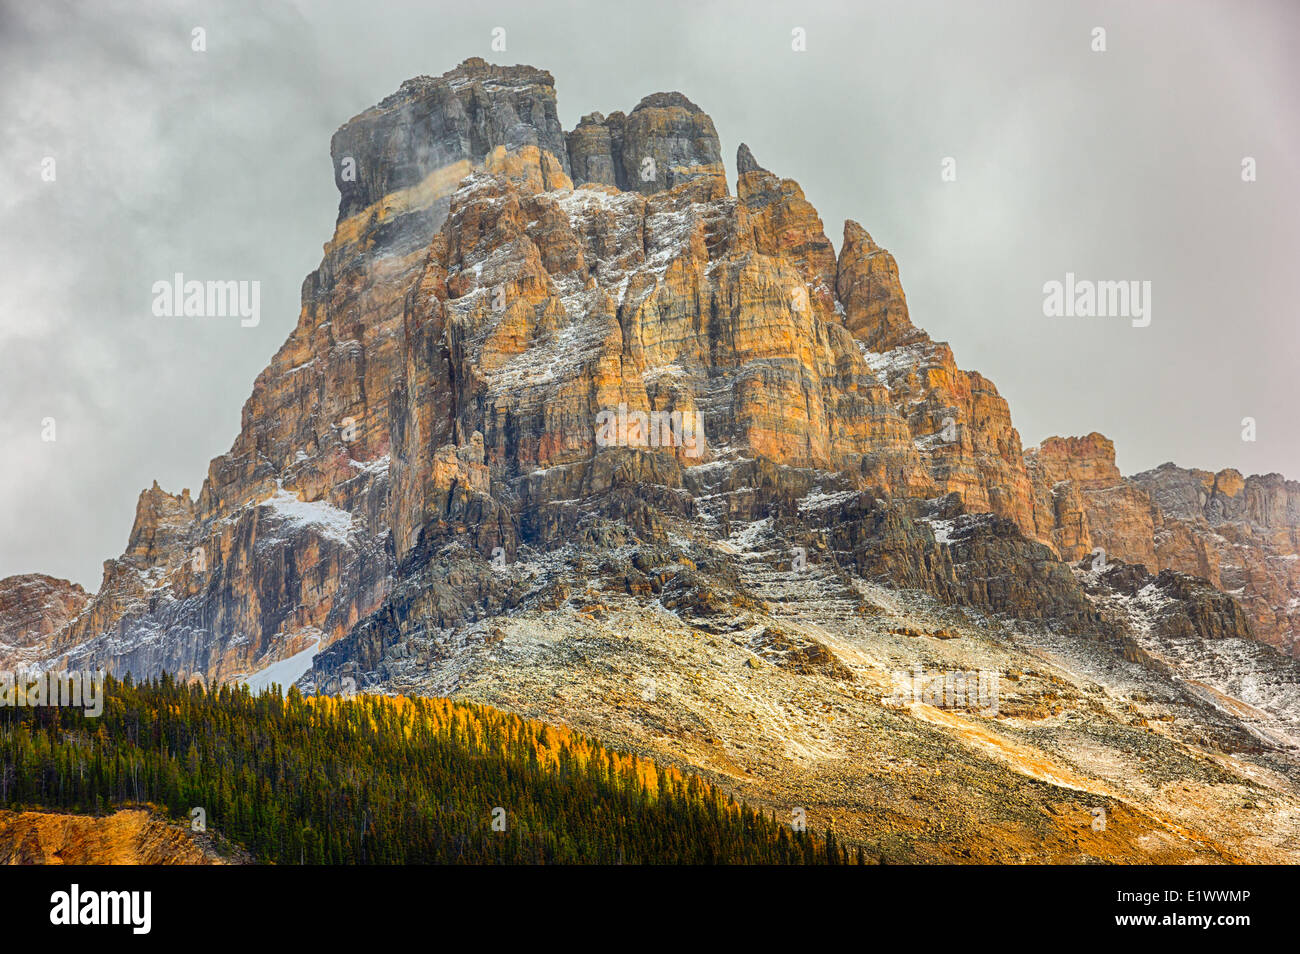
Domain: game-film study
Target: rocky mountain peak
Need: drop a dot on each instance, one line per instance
(868, 284)
(1242, 534)
(672, 100)
(666, 140)
(434, 128)
(745, 161)
(1088, 461)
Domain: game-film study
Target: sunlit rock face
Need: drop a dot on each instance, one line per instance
(1090, 505)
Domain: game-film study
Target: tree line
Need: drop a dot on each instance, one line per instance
(380, 780)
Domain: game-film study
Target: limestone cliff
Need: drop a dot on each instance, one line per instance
(665, 140)
(33, 609)
(1242, 534)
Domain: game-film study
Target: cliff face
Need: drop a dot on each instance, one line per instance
(33, 608)
(1240, 534)
(555, 306)
(665, 140)
(1088, 503)
(510, 320)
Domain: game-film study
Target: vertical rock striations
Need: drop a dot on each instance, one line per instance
(664, 141)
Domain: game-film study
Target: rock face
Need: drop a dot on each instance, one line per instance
(33, 608)
(665, 140)
(516, 331)
(745, 161)
(961, 428)
(1175, 606)
(875, 308)
(431, 126)
(1240, 534)
(1090, 504)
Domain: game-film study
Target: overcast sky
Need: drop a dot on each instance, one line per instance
(1122, 165)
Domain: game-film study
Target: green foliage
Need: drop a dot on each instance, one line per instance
(379, 781)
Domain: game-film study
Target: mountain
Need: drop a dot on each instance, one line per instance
(568, 427)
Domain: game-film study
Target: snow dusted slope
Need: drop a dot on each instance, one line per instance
(713, 649)
(283, 673)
